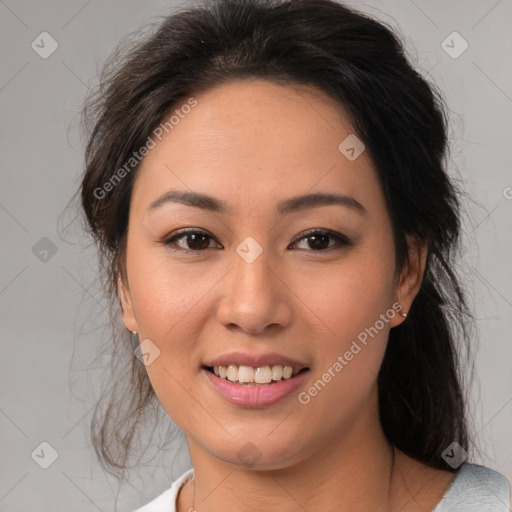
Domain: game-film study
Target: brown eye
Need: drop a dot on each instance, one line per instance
(318, 240)
(195, 241)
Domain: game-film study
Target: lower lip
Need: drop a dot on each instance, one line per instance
(255, 396)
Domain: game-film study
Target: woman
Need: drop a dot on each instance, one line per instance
(266, 184)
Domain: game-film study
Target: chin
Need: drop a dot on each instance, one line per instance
(258, 454)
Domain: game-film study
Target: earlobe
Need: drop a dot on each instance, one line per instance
(411, 278)
(126, 303)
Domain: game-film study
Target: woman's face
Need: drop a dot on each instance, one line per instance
(258, 281)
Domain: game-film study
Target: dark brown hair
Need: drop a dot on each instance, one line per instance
(398, 115)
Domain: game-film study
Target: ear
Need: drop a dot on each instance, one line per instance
(410, 280)
(126, 301)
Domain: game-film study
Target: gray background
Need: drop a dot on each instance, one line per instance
(51, 308)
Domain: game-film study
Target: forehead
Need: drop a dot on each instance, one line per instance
(255, 140)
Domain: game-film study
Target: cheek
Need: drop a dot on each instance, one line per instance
(350, 350)
(169, 305)
(167, 293)
(349, 296)
(352, 305)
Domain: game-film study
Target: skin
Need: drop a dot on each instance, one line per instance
(252, 144)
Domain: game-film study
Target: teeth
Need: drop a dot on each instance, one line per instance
(263, 375)
(245, 374)
(232, 373)
(277, 372)
(287, 372)
(249, 375)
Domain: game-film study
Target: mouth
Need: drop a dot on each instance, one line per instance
(255, 386)
(254, 376)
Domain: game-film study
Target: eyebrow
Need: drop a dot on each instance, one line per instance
(293, 204)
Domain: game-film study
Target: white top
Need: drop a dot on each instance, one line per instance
(474, 489)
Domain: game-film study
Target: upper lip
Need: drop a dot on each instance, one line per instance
(268, 359)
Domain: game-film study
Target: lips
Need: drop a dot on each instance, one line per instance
(254, 395)
(270, 389)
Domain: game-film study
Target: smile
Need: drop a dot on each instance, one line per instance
(253, 394)
(254, 376)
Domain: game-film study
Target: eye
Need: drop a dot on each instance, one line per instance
(195, 241)
(318, 240)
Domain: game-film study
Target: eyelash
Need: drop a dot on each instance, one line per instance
(341, 239)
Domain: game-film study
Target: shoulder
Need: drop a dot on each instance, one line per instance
(476, 488)
(166, 502)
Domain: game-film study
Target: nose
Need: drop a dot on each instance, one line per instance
(255, 297)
